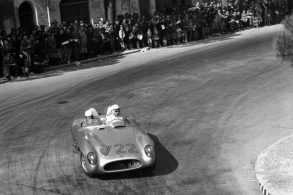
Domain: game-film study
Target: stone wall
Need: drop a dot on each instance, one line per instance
(127, 6)
(9, 10)
(97, 10)
(54, 10)
(7, 19)
(40, 11)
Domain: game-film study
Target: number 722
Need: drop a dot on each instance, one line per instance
(122, 149)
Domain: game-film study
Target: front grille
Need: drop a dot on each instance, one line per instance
(122, 164)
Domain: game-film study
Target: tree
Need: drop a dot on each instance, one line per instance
(284, 41)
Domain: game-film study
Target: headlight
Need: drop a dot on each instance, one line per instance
(92, 158)
(149, 150)
(104, 150)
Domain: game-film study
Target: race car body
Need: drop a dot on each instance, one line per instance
(117, 147)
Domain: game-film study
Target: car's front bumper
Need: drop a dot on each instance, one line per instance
(121, 164)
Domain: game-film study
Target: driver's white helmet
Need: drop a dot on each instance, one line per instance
(110, 108)
(91, 112)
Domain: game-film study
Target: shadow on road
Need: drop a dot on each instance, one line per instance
(207, 41)
(166, 164)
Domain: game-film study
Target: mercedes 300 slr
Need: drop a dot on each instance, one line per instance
(117, 147)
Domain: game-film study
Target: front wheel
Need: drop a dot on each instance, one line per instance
(151, 169)
(84, 165)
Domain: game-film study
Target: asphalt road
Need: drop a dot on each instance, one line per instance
(210, 106)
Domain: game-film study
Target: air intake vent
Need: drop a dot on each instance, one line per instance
(122, 164)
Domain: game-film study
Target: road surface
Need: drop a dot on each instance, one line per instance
(211, 106)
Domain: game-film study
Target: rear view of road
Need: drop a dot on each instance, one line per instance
(211, 108)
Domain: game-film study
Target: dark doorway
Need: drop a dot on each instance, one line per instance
(72, 10)
(26, 16)
(144, 7)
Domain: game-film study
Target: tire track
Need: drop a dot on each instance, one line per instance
(40, 160)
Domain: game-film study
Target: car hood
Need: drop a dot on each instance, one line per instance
(111, 136)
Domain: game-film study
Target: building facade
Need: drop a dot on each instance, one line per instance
(7, 19)
(27, 13)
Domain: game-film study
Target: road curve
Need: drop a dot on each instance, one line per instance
(210, 106)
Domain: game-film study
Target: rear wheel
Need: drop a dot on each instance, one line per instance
(84, 165)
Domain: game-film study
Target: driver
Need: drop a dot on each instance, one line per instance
(113, 113)
(91, 118)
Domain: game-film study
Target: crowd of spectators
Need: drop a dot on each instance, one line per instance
(64, 43)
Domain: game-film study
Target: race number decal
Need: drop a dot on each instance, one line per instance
(120, 149)
(127, 148)
(132, 148)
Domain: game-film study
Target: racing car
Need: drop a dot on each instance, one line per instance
(111, 148)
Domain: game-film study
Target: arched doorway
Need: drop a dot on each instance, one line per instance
(72, 10)
(26, 16)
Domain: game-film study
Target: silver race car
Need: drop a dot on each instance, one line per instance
(117, 147)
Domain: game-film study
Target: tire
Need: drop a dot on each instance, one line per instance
(150, 170)
(84, 164)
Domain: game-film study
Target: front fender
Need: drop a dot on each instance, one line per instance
(74, 130)
(85, 146)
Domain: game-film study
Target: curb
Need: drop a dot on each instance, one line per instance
(91, 59)
(51, 68)
(266, 187)
(263, 189)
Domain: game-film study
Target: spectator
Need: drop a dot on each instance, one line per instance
(95, 40)
(66, 46)
(122, 37)
(149, 37)
(25, 47)
(60, 38)
(75, 43)
(90, 34)
(128, 37)
(156, 30)
(33, 51)
(52, 48)
(110, 37)
(116, 29)
(41, 46)
(83, 43)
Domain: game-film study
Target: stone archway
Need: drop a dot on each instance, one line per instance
(71, 10)
(26, 16)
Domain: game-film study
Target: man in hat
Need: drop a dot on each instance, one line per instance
(113, 113)
(91, 118)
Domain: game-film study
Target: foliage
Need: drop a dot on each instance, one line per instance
(284, 41)
(288, 23)
(284, 45)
